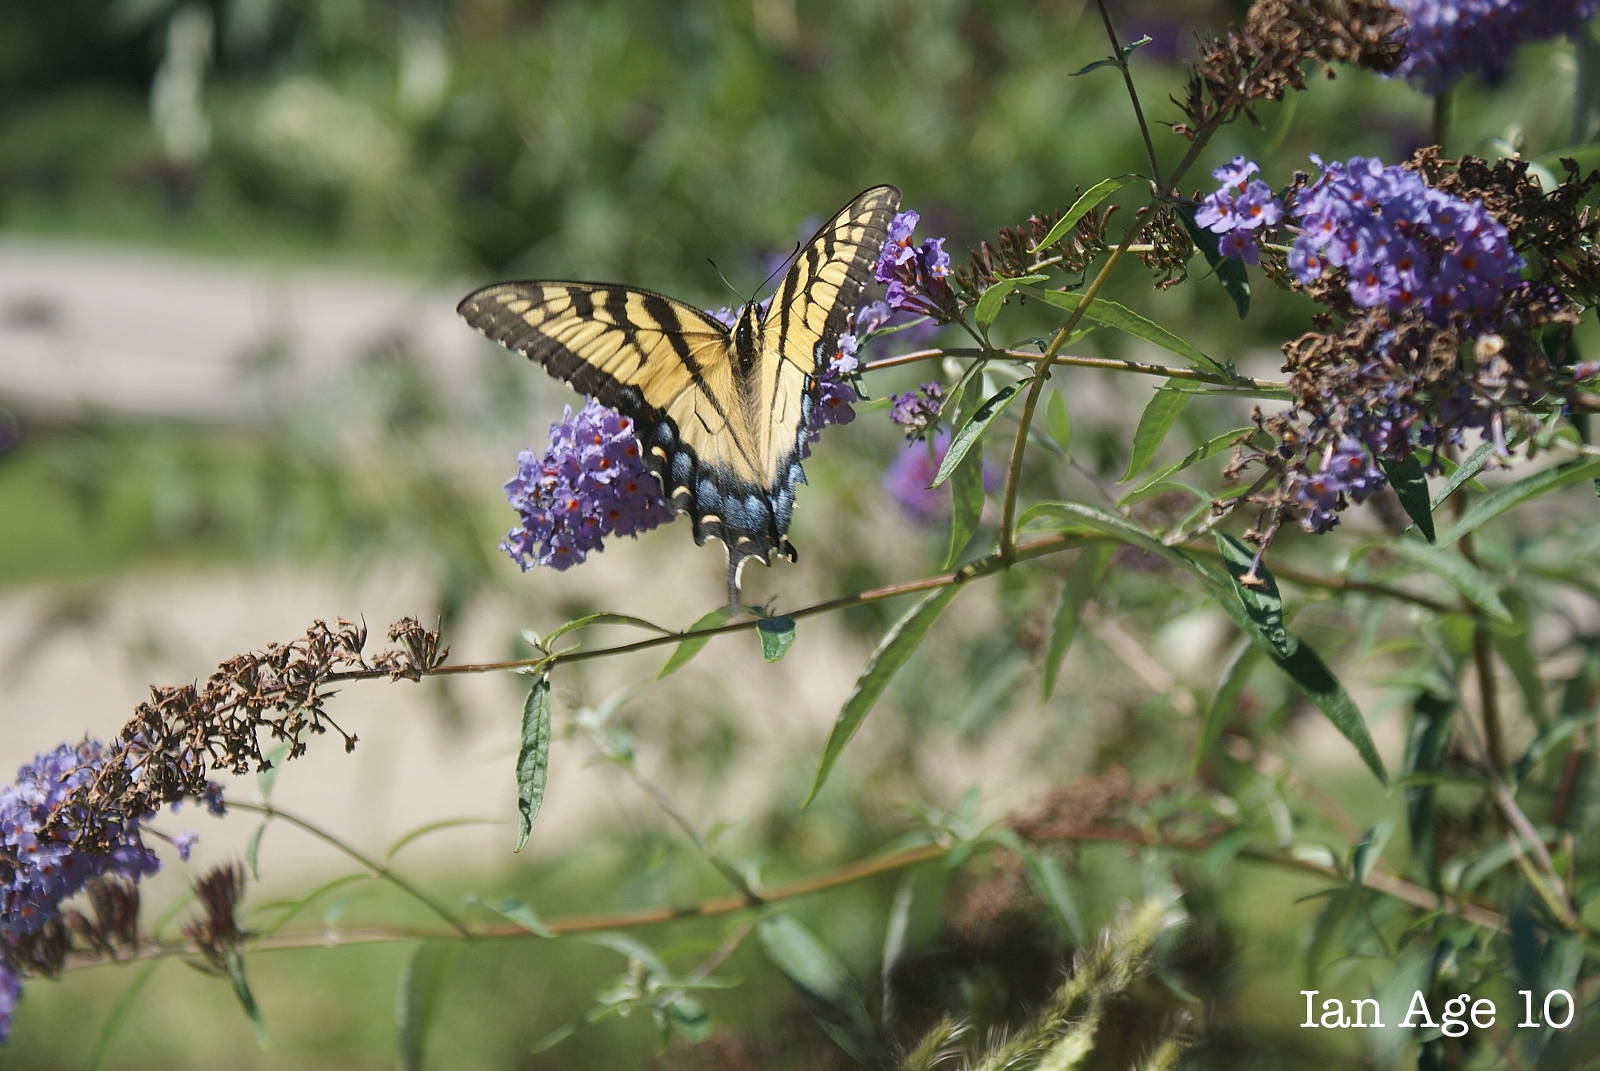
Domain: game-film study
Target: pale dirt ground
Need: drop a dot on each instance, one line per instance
(85, 328)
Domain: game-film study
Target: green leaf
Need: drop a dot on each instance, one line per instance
(1230, 271)
(1110, 314)
(603, 619)
(826, 988)
(1367, 852)
(1458, 573)
(1050, 882)
(247, 999)
(1261, 600)
(896, 646)
(1548, 738)
(1411, 488)
(777, 636)
(688, 648)
(1501, 499)
(989, 303)
(971, 433)
(689, 1018)
(1081, 207)
(631, 947)
(1241, 662)
(1211, 446)
(1459, 475)
(1159, 414)
(514, 910)
(1083, 580)
(966, 486)
(119, 1014)
(252, 848)
(421, 985)
(1305, 668)
(1426, 736)
(267, 776)
(1059, 423)
(433, 827)
(533, 758)
(1515, 647)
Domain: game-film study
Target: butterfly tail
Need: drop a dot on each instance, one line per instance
(735, 571)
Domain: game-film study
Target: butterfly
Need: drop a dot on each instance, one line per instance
(721, 413)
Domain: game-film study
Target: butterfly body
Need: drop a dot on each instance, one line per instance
(722, 414)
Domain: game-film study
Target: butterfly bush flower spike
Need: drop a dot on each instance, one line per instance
(1239, 207)
(1453, 39)
(918, 411)
(916, 274)
(590, 483)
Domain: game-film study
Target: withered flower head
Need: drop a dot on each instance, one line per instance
(215, 932)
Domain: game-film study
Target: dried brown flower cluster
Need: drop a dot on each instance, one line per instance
(1014, 254)
(1269, 55)
(166, 752)
(215, 932)
(1170, 247)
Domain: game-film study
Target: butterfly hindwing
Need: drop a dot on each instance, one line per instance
(721, 415)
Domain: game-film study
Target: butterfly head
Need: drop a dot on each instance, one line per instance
(746, 330)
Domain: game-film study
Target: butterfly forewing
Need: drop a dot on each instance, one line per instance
(724, 437)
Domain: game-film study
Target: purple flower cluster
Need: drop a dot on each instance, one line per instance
(39, 870)
(1346, 469)
(1240, 207)
(835, 391)
(915, 274)
(1451, 39)
(1401, 242)
(918, 410)
(591, 482)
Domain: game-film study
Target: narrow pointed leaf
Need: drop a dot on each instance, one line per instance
(825, 987)
(247, 999)
(1083, 580)
(897, 646)
(119, 1014)
(533, 758)
(1089, 200)
(1241, 662)
(1313, 677)
(252, 848)
(604, 619)
(416, 1004)
(1050, 882)
(1109, 61)
(688, 648)
(777, 636)
(1369, 850)
(1209, 448)
(989, 304)
(966, 485)
(1262, 600)
(1110, 314)
(1458, 573)
(1469, 467)
(514, 910)
(1159, 414)
(971, 433)
(1427, 734)
(1059, 423)
(1501, 499)
(1411, 488)
(1514, 645)
(1230, 271)
(430, 828)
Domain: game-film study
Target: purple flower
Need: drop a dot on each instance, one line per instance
(40, 869)
(10, 993)
(185, 843)
(908, 476)
(1239, 206)
(915, 274)
(1401, 242)
(590, 483)
(1348, 469)
(918, 411)
(1452, 39)
(835, 392)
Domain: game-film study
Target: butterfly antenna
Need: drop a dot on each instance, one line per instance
(724, 278)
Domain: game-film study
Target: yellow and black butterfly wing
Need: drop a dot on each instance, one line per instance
(670, 368)
(814, 305)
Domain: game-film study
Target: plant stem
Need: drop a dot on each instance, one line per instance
(1108, 364)
(1389, 884)
(375, 868)
(1133, 93)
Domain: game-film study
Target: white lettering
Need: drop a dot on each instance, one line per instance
(1377, 1013)
(1419, 1006)
(1453, 1022)
(1572, 1009)
(1527, 1014)
(1484, 1007)
(1308, 994)
(1333, 1007)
